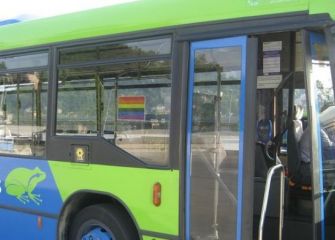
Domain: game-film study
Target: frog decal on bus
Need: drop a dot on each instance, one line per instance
(21, 182)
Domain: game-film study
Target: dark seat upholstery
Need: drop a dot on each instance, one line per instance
(261, 170)
(262, 166)
(298, 172)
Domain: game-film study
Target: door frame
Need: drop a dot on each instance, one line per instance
(319, 228)
(247, 135)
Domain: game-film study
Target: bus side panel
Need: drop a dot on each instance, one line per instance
(152, 238)
(27, 190)
(18, 225)
(133, 186)
(39, 188)
(28, 185)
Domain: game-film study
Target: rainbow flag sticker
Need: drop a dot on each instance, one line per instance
(131, 108)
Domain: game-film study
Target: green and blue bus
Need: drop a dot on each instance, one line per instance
(170, 119)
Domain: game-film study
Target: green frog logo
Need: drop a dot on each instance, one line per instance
(21, 182)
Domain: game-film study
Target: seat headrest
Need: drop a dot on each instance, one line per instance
(298, 112)
(264, 130)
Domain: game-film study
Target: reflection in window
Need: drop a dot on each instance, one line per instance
(127, 104)
(215, 142)
(114, 51)
(23, 111)
(76, 107)
(216, 69)
(143, 111)
(300, 98)
(325, 106)
(25, 61)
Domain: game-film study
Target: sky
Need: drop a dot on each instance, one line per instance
(32, 9)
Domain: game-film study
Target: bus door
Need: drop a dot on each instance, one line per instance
(220, 138)
(320, 69)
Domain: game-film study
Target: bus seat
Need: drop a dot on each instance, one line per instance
(262, 165)
(295, 131)
(299, 186)
(261, 168)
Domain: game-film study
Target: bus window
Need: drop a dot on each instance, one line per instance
(24, 61)
(23, 99)
(145, 48)
(76, 102)
(137, 108)
(300, 100)
(324, 134)
(216, 123)
(127, 103)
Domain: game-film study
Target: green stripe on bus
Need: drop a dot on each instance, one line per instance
(153, 238)
(143, 15)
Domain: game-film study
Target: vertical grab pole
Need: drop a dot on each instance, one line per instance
(271, 171)
(282, 196)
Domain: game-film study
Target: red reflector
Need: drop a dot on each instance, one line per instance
(157, 194)
(39, 222)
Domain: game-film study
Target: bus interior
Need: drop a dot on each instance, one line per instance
(282, 119)
(287, 111)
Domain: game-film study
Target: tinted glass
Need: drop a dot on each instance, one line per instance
(26, 61)
(23, 113)
(76, 106)
(210, 62)
(300, 100)
(116, 51)
(325, 106)
(127, 104)
(215, 143)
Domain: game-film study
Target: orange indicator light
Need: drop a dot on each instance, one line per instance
(157, 194)
(39, 222)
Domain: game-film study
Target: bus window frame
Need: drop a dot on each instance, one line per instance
(24, 53)
(318, 211)
(47, 68)
(97, 44)
(99, 155)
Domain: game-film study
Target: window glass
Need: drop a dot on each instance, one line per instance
(116, 51)
(76, 106)
(23, 113)
(300, 100)
(26, 61)
(215, 142)
(285, 102)
(206, 64)
(143, 112)
(283, 118)
(127, 104)
(325, 106)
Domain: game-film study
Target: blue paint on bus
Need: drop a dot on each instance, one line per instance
(28, 191)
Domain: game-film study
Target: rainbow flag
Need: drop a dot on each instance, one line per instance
(131, 108)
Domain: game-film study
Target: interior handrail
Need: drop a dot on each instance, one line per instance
(270, 174)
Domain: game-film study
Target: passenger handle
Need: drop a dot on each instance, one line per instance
(269, 177)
